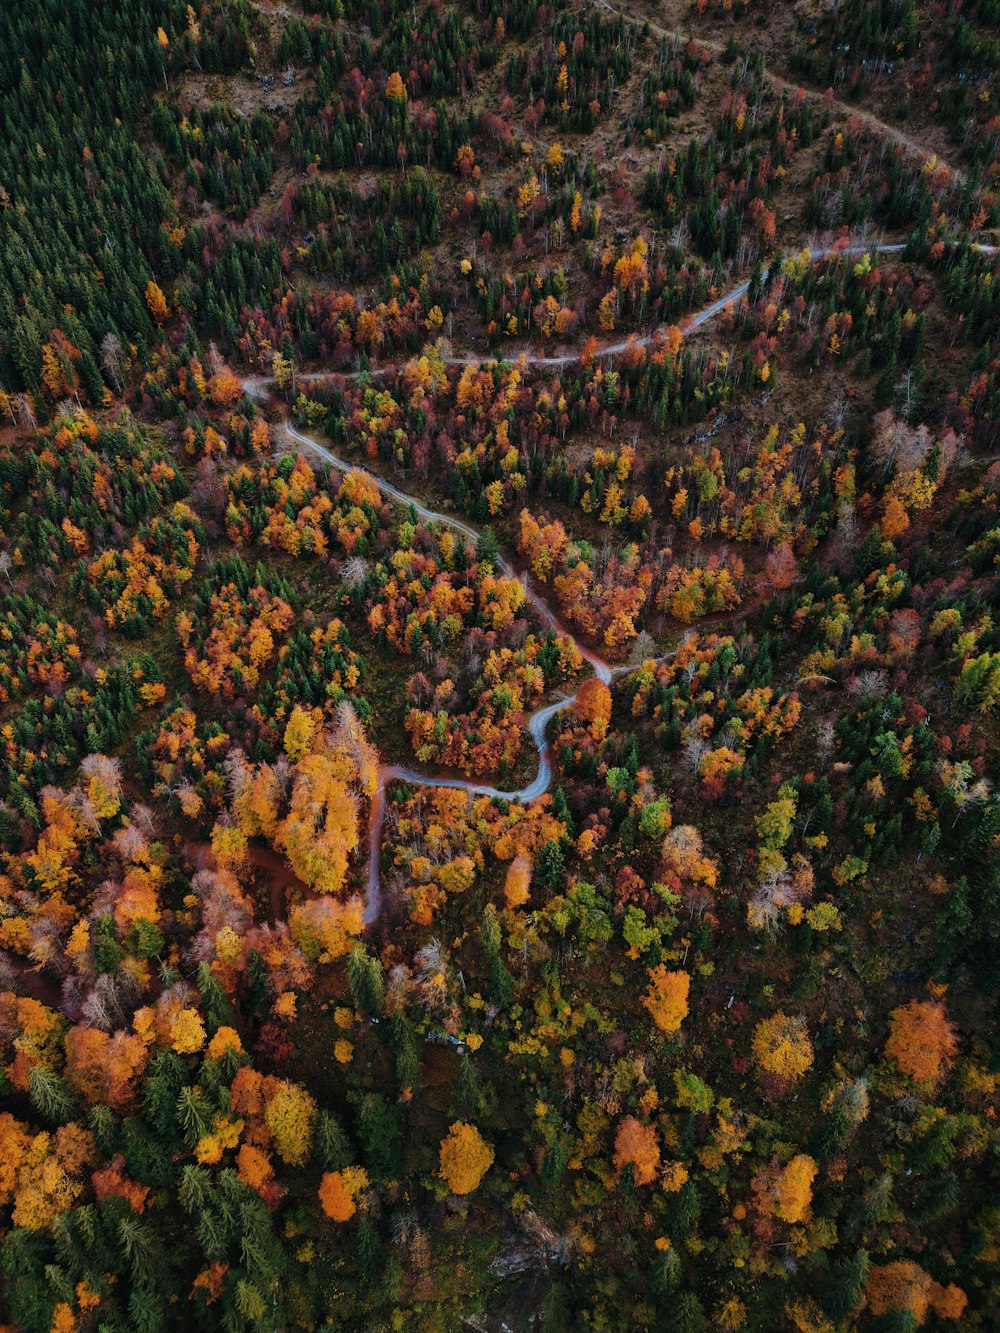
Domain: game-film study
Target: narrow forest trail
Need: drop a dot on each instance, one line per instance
(781, 84)
(256, 387)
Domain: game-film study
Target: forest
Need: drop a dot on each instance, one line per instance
(500, 666)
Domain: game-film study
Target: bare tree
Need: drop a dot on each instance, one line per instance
(111, 360)
(643, 648)
(26, 411)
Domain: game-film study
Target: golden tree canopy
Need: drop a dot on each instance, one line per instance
(465, 1158)
(781, 1045)
(667, 998)
(795, 1188)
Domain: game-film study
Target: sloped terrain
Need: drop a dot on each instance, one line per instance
(499, 666)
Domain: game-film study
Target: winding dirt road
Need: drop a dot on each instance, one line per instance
(537, 723)
(257, 387)
(898, 136)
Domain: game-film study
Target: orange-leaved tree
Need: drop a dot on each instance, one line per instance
(339, 1190)
(593, 706)
(922, 1041)
(157, 302)
(636, 1145)
(395, 88)
(518, 881)
(904, 1285)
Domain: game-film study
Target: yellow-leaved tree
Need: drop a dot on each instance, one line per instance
(314, 821)
(187, 1031)
(667, 998)
(465, 1158)
(299, 733)
(781, 1046)
(290, 1115)
(795, 1189)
